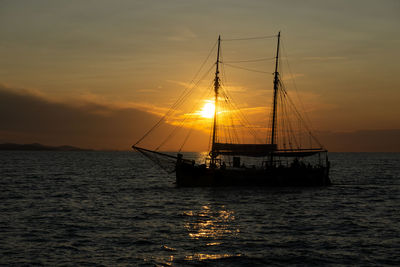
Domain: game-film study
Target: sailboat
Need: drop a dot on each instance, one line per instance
(278, 164)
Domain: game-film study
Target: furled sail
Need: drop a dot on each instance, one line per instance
(296, 153)
(252, 150)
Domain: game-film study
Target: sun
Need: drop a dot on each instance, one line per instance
(207, 111)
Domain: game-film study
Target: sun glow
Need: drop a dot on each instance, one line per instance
(207, 111)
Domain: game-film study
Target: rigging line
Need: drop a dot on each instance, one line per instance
(302, 119)
(287, 116)
(210, 125)
(190, 128)
(250, 38)
(268, 125)
(225, 127)
(280, 118)
(243, 68)
(293, 134)
(246, 124)
(177, 127)
(233, 126)
(180, 97)
(295, 86)
(222, 127)
(232, 107)
(300, 135)
(283, 121)
(172, 108)
(186, 138)
(271, 118)
(191, 124)
(184, 96)
(293, 108)
(290, 133)
(235, 133)
(227, 116)
(249, 60)
(179, 102)
(242, 118)
(224, 76)
(195, 85)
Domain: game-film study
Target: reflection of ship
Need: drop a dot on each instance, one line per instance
(282, 161)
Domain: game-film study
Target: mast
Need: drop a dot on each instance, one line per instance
(276, 82)
(216, 87)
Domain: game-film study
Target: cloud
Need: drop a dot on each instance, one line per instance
(182, 34)
(324, 58)
(236, 89)
(292, 76)
(184, 84)
(27, 117)
(147, 91)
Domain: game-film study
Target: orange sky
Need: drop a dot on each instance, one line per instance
(98, 73)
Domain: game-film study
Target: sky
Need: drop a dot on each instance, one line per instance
(99, 74)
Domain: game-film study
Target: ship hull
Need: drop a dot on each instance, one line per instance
(198, 176)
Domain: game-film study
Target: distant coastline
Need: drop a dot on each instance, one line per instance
(40, 147)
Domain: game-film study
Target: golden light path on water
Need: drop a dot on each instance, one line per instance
(211, 224)
(207, 226)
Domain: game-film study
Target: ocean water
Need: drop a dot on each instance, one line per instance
(116, 208)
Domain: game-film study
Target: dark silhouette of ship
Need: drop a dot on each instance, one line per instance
(279, 164)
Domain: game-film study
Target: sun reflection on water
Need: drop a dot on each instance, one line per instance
(210, 223)
(209, 227)
(201, 256)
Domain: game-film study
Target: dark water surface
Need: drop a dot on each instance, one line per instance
(114, 208)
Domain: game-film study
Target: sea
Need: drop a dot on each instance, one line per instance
(119, 209)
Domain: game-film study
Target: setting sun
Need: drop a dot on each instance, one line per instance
(207, 110)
